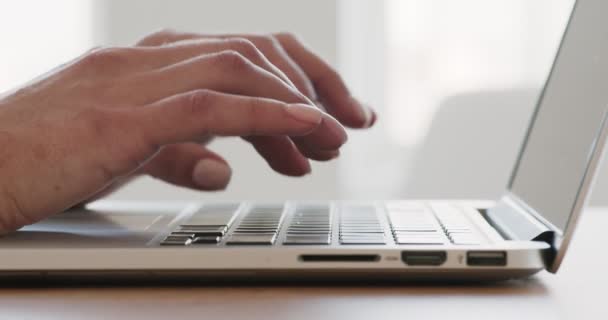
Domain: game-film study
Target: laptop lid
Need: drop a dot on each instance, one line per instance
(559, 157)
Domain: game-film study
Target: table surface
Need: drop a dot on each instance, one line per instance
(576, 292)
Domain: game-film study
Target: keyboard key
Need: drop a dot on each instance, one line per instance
(360, 224)
(362, 241)
(213, 231)
(304, 240)
(177, 240)
(413, 241)
(254, 232)
(316, 227)
(206, 240)
(259, 226)
(465, 239)
(416, 228)
(456, 225)
(259, 239)
(307, 232)
(375, 234)
(421, 238)
(310, 224)
(415, 224)
(440, 237)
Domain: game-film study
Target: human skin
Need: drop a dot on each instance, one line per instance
(88, 126)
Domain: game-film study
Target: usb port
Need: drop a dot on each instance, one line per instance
(423, 258)
(487, 258)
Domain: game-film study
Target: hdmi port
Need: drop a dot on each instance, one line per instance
(423, 258)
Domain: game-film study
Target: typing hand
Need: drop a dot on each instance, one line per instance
(288, 59)
(115, 112)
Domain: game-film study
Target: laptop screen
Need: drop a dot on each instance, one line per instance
(561, 139)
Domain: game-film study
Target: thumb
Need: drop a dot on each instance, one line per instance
(190, 165)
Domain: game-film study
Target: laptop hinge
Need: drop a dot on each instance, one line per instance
(516, 221)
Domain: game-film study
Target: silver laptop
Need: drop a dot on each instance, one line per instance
(525, 231)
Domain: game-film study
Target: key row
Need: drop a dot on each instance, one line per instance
(205, 226)
(260, 226)
(456, 225)
(414, 224)
(310, 225)
(360, 225)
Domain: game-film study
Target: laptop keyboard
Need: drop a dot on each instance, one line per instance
(401, 223)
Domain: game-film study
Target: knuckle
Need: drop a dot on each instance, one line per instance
(157, 38)
(198, 105)
(268, 42)
(254, 112)
(244, 46)
(164, 32)
(233, 61)
(289, 36)
(107, 58)
(199, 99)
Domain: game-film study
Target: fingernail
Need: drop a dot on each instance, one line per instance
(305, 113)
(211, 174)
(306, 166)
(374, 118)
(338, 130)
(341, 133)
(365, 113)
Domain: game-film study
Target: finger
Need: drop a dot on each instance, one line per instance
(166, 36)
(310, 74)
(277, 151)
(268, 45)
(318, 146)
(328, 84)
(226, 71)
(276, 54)
(158, 57)
(190, 165)
(205, 140)
(230, 73)
(189, 116)
(322, 143)
(316, 154)
(281, 155)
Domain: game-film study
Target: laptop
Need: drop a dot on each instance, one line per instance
(524, 232)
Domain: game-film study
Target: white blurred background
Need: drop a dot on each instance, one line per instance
(454, 83)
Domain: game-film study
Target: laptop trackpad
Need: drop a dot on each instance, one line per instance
(86, 228)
